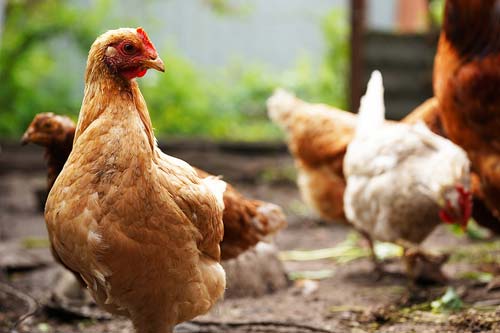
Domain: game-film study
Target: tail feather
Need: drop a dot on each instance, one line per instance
(280, 107)
(269, 218)
(247, 222)
(372, 109)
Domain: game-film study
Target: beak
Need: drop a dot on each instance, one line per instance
(155, 63)
(26, 138)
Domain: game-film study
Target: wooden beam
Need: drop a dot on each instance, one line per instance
(357, 65)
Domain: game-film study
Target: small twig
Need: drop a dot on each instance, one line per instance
(261, 323)
(30, 301)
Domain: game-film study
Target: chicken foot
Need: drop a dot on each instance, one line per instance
(378, 268)
(423, 266)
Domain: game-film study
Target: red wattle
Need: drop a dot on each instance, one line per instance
(443, 215)
(141, 73)
(133, 73)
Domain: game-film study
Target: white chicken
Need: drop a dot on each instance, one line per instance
(402, 180)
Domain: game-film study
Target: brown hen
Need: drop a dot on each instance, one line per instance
(139, 226)
(56, 134)
(317, 137)
(428, 112)
(466, 77)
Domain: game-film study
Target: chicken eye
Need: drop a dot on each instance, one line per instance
(128, 48)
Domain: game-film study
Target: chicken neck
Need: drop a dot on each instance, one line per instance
(107, 93)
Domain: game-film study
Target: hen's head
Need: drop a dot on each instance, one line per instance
(456, 206)
(48, 129)
(125, 52)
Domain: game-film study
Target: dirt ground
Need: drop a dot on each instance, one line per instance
(346, 295)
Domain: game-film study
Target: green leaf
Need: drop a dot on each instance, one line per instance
(449, 302)
(35, 243)
(311, 275)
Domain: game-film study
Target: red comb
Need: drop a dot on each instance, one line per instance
(145, 39)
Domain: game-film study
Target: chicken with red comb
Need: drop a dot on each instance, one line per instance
(141, 228)
(401, 180)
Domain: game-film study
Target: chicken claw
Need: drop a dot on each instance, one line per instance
(424, 266)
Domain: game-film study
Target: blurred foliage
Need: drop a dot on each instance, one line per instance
(230, 103)
(477, 276)
(449, 302)
(43, 50)
(436, 10)
(189, 102)
(311, 275)
(33, 81)
(474, 231)
(332, 83)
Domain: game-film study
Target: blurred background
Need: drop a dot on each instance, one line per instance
(223, 58)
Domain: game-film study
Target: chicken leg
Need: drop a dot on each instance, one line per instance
(377, 264)
(423, 266)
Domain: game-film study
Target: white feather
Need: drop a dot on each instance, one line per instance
(217, 187)
(280, 106)
(372, 109)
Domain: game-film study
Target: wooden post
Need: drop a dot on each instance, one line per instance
(356, 73)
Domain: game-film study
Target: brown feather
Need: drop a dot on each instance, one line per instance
(317, 137)
(466, 77)
(427, 112)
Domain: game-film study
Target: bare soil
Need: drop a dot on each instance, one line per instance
(353, 299)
